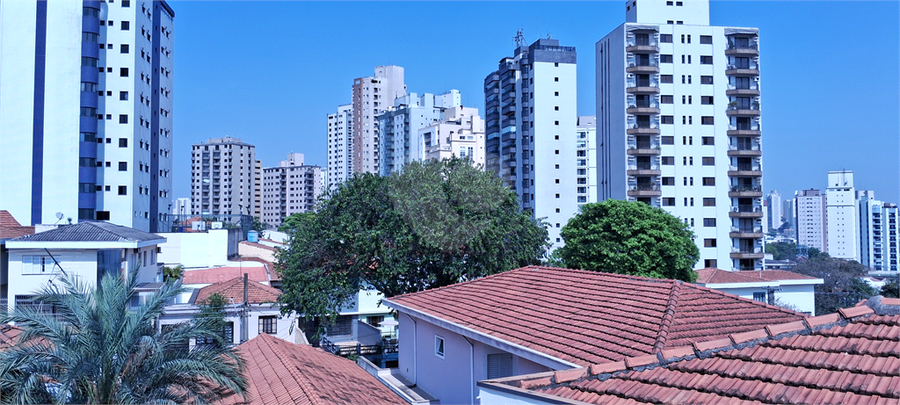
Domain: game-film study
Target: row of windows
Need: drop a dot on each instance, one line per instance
(685, 79)
(687, 120)
(689, 202)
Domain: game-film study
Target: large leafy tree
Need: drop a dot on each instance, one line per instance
(436, 223)
(843, 286)
(629, 238)
(95, 348)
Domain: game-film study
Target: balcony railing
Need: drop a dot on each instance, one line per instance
(752, 147)
(751, 44)
(746, 250)
(755, 188)
(644, 187)
(643, 167)
(643, 145)
(746, 229)
(745, 168)
(634, 102)
(747, 208)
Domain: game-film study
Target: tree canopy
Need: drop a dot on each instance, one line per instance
(96, 348)
(843, 286)
(629, 238)
(436, 223)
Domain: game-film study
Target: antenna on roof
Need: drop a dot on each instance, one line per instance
(520, 38)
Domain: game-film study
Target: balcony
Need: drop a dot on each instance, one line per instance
(751, 69)
(747, 253)
(751, 90)
(644, 190)
(642, 88)
(742, 48)
(746, 211)
(642, 42)
(642, 149)
(745, 171)
(745, 191)
(643, 106)
(735, 110)
(746, 232)
(642, 64)
(642, 170)
(642, 129)
(751, 150)
(743, 130)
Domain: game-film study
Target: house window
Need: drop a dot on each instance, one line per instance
(668, 160)
(665, 78)
(123, 72)
(706, 80)
(668, 201)
(709, 222)
(706, 100)
(124, 48)
(268, 324)
(438, 346)
(665, 58)
(665, 38)
(709, 181)
(667, 140)
(227, 334)
(123, 142)
(499, 365)
(705, 60)
(668, 119)
(709, 161)
(126, 25)
(123, 190)
(706, 120)
(709, 263)
(123, 166)
(708, 140)
(123, 95)
(38, 265)
(27, 301)
(709, 242)
(706, 39)
(343, 326)
(664, 99)
(668, 181)
(375, 320)
(759, 296)
(709, 202)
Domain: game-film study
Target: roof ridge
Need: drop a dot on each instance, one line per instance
(745, 300)
(300, 378)
(668, 317)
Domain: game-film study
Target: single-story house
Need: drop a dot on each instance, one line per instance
(776, 287)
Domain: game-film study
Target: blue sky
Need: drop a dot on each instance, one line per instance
(270, 72)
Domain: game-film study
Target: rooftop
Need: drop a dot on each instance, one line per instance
(848, 357)
(279, 372)
(10, 228)
(234, 289)
(214, 275)
(718, 276)
(586, 317)
(92, 231)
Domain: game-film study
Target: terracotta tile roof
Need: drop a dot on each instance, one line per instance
(234, 289)
(280, 372)
(719, 276)
(851, 358)
(92, 231)
(10, 228)
(586, 317)
(273, 275)
(219, 274)
(259, 245)
(8, 335)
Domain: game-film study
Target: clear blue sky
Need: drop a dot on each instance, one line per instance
(270, 72)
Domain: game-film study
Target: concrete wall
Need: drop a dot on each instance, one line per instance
(209, 249)
(491, 396)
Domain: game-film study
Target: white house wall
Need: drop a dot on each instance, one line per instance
(204, 250)
(82, 264)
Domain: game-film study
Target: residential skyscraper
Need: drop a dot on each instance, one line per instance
(291, 187)
(842, 216)
(340, 146)
(891, 221)
(399, 125)
(812, 229)
(460, 133)
(87, 111)
(774, 217)
(678, 125)
(530, 129)
(788, 210)
(871, 230)
(182, 207)
(372, 96)
(586, 160)
(225, 177)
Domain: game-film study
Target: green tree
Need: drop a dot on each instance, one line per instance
(172, 273)
(629, 238)
(296, 221)
(258, 225)
(212, 317)
(97, 349)
(782, 250)
(843, 286)
(891, 289)
(435, 224)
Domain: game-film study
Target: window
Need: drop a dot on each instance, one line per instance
(706, 100)
(665, 38)
(499, 365)
(708, 140)
(38, 265)
(706, 39)
(682, 58)
(88, 86)
(667, 119)
(709, 242)
(438, 346)
(668, 181)
(103, 215)
(269, 324)
(226, 333)
(123, 95)
(375, 320)
(709, 181)
(88, 137)
(87, 162)
(666, 99)
(683, 81)
(665, 58)
(682, 38)
(705, 60)
(668, 202)
(555, 79)
(123, 118)
(124, 48)
(706, 120)
(709, 202)
(709, 161)
(665, 78)
(668, 160)
(706, 80)
(123, 72)
(342, 326)
(123, 166)
(126, 3)
(709, 263)
(88, 61)
(88, 112)
(123, 142)
(555, 93)
(709, 222)
(87, 188)
(126, 25)
(667, 140)
(123, 190)
(759, 296)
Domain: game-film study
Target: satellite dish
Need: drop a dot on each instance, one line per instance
(59, 216)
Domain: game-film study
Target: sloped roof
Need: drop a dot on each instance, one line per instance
(8, 335)
(280, 372)
(850, 357)
(718, 276)
(777, 275)
(586, 317)
(260, 245)
(91, 231)
(234, 289)
(219, 274)
(10, 228)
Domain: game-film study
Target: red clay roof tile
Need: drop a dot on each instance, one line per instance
(789, 327)
(855, 311)
(219, 274)
(744, 337)
(233, 291)
(610, 367)
(822, 320)
(10, 228)
(712, 344)
(572, 374)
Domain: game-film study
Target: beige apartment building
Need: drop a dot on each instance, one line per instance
(291, 187)
(460, 133)
(225, 177)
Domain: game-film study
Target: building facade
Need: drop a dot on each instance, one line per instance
(889, 214)
(774, 217)
(399, 125)
(530, 130)
(225, 178)
(841, 216)
(459, 133)
(812, 230)
(372, 96)
(678, 125)
(340, 146)
(871, 230)
(291, 187)
(787, 210)
(88, 88)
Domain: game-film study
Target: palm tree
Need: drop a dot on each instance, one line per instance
(95, 348)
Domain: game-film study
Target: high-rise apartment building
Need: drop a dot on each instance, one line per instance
(371, 97)
(290, 188)
(788, 209)
(842, 217)
(530, 129)
(399, 125)
(225, 178)
(891, 226)
(340, 146)
(459, 133)
(774, 217)
(871, 230)
(812, 229)
(678, 125)
(586, 160)
(86, 117)
(182, 207)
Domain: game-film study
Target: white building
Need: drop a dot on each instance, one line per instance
(530, 129)
(182, 207)
(225, 178)
(788, 210)
(87, 250)
(291, 187)
(890, 218)
(399, 125)
(371, 97)
(87, 88)
(774, 216)
(459, 133)
(340, 146)
(586, 151)
(775, 287)
(811, 220)
(678, 115)
(841, 216)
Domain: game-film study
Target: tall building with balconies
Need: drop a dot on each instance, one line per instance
(891, 220)
(586, 160)
(774, 217)
(842, 216)
(399, 125)
(871, 230)
(372, 96)
(225, 177)
(290, 188)
(530, 129)
(811, 221)
(678, 125)
(86, 116)
(340, 146)
(459, 133)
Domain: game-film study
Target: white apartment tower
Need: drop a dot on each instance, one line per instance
(291, 187)
(586, 162)
(774, 217)
(459, 133)
(340, 146)
(371, 97)
(871, 230)
(889, 215)
(811, 222)
(225, 177)
(530, 129)
(399, 125)
(842, 217)
(678, 125)
(86, 117)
